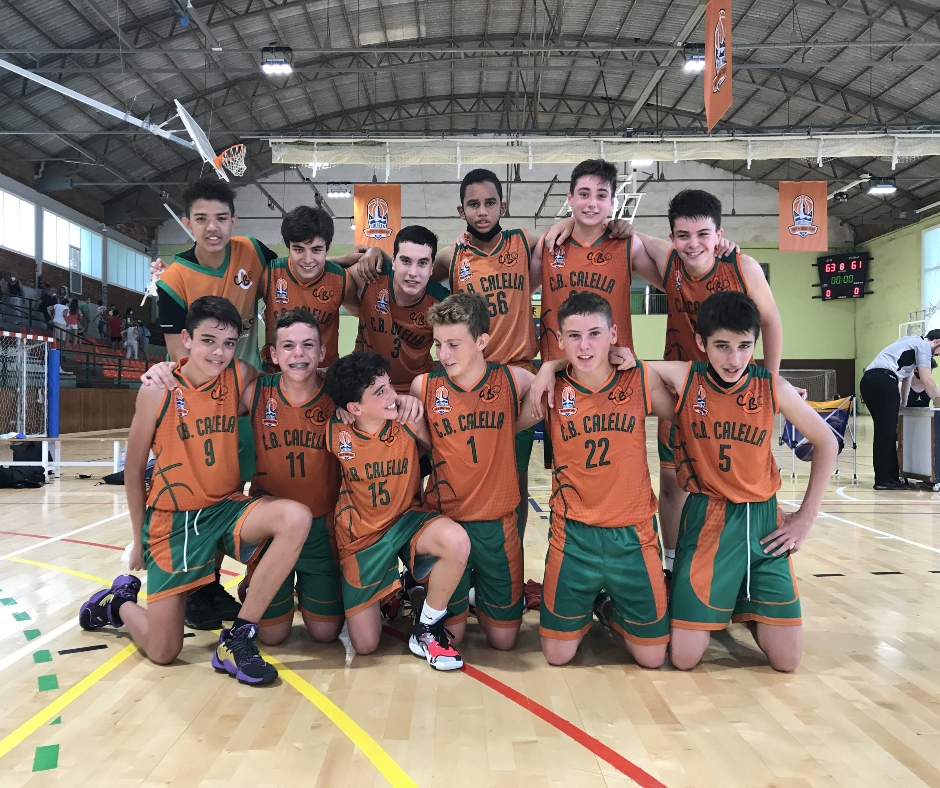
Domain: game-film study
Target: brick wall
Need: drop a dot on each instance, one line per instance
(24, 268)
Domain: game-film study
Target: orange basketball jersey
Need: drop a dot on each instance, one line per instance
(283, 292)
(196, 443)
(473, 445)
(604, 268)
(723, 436)
(237, 279)
(398, 332)
(502, 278)
(684, 295)
(380, 481)
(600, 474)
(291, 457)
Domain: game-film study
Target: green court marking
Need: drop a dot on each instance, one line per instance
(32, 634)
(21, 616)
(42, 656)
(50, 682)
(8, 601)
(46, 758)
(56, 721)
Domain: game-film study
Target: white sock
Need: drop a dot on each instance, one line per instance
(670, 558)
(429, 615)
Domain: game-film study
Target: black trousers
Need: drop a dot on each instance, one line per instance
(879, 389)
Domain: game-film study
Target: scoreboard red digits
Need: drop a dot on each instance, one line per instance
(842, 276)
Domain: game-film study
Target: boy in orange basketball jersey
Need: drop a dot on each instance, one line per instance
(473, 408)
(379, 516)
(306, 279)
(393, 308)
(733, 555)
(603, 548)
(195, 505)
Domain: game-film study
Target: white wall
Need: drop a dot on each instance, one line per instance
(430, 195)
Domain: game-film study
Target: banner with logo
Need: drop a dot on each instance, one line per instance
(377, 214)
(804, 215)
(717, 60)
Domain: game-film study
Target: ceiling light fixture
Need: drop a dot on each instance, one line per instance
(882, 187)
(276, 60)
(694, 58)
(339, 191)
(641, 162)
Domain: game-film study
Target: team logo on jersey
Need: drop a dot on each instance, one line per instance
(558, 261)
(489, 393)
(567, 402)
(316, 415)
(699, 408)
(599, 258)
(620, 395)
(219, 393)
(718, 285)
(510, 258)
(464, 272)
(720, 54)
(345, 446)
(243, 279)
(419, 319)
(441, 401)
(270, 413)
(803, 211)
(391, 434)
(750, 403)
(377, 216)
(678, 280)
(181, 409)
(322, 295)
(381, 303)
(280, 291)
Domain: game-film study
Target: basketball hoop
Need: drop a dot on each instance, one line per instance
(233, 159)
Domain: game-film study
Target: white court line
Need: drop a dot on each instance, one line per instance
(51, 539)
(884, 534)
(32, 645)
(846, 496)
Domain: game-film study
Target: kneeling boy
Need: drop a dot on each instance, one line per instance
(733, 555)
(195, 505)
(379, 516)
(603, 547)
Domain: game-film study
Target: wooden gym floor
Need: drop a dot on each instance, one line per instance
(863, 709)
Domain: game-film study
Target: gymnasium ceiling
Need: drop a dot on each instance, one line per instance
(414, 67)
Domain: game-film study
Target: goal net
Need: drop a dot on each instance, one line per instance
(24, 384)
(820, 384)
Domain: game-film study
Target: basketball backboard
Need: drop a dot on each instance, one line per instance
(200, 140)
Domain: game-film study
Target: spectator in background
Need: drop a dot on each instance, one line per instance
(14, 289)
(58, 313)
(4, 287)
(918, 396)
(144, 340)
(63, 293)
(114, 328)
(91, 326)
(102, 316)
(73, 319)
(46, 302)
(130, 339)
(128, 317)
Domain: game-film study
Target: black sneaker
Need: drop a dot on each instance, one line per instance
(237, 655)
(224, 603)
(201, 613)
(600, 602)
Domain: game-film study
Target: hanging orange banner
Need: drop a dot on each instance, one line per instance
(804, 214)
(717, 60)
(377, 214)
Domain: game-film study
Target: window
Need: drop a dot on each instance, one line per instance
(931, 289)
(59, 234)
(17, 224)
(127, 268)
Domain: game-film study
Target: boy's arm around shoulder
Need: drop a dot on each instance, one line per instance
(248, 375)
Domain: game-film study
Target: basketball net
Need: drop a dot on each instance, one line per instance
(233, 159)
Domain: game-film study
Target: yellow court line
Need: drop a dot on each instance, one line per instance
(382, 761)
(67, 571)
(55, 708)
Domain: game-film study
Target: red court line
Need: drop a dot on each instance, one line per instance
(587, 741)
(89, 544)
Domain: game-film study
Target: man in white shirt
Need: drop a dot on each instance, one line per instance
(884, 386)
